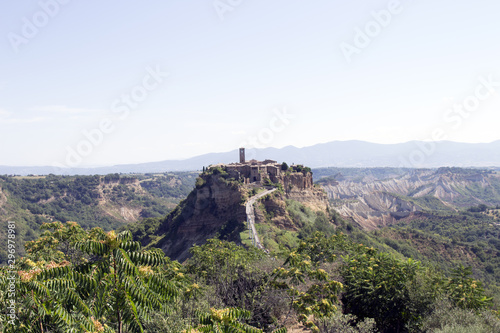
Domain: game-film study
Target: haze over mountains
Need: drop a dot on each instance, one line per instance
(418, 154)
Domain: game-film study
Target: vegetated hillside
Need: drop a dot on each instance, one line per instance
(216, 208)
(381, 196)
(282, 222)
(105, 201)
(323, 284)
(445, 240)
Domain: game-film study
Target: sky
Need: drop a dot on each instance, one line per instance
(93, 83)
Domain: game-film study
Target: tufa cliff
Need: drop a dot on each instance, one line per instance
(216, 206)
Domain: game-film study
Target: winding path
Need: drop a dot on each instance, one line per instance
(251, 217)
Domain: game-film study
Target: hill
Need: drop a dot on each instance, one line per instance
(105, 201)
(216, 208)
(445, 240)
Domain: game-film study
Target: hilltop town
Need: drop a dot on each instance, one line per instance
(260, 173)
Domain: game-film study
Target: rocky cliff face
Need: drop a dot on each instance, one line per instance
(299, 186)
(375, 202)
(214, 208)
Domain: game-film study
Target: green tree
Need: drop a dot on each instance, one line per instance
(228, 320)
(57, 243)
(306, 276)
(376, 285)
(128, 286)
(466, 292)
(117, 289)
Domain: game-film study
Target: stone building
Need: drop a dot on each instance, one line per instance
(254, 171)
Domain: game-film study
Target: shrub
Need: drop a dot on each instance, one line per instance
(200, 182)
(446, 318)
(339, 322)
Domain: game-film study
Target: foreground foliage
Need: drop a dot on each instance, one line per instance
(73, 280)
(235, 277)
(226, 320)
(115, 289)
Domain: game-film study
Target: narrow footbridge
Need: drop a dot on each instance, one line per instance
(251, 217)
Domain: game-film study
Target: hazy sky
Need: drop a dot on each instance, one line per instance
(111, 82)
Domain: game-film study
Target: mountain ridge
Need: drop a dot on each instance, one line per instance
(350, 153)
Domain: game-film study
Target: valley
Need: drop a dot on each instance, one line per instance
(379, 197)
(93, 201)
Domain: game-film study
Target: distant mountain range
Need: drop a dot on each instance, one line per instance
(416, 154)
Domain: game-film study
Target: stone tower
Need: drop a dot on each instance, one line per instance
(242, 155)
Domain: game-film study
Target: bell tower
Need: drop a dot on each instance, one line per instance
(242, 155)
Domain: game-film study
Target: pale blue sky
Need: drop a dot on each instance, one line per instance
(227, 77)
